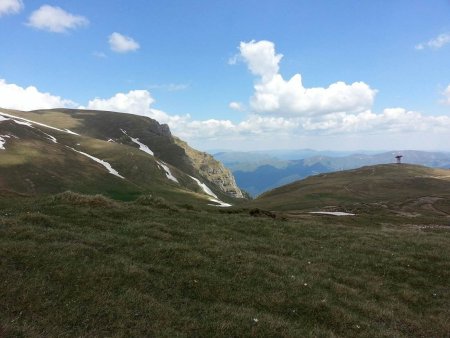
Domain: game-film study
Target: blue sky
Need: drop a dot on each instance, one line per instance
(212, 70)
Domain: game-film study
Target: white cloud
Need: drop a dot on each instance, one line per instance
(435, 43)
(261, 58)
(136, 102)
(391, 120)
(10, 7)
(270, 128)
(446, 94)
(55, 19)
(339, 129)
(99, 55)
(15, 97)
(236, 106)
(122, 44)
(233, 60)
(274, 95)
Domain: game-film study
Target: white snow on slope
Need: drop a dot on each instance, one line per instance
(3, 141)
(147, 150)
(142, 146)
(103, 163)
(23, 121)
(51, 138)
(334, 213)
(2, 118)
(168, 172)
(221, 204)
(204, 187)
(208, 191)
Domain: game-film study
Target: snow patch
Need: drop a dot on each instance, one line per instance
(147, 150)
(69, 132)
(51, 138)
(3, 141)
(220, 203)
(168, 172)
(334, 213)
(23, 123)
(111, 140)
(208, 191)
(204, 188)
(142, 146)
(29, 123)
(103, 163)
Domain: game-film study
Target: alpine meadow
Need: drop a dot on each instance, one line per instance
(224, 169)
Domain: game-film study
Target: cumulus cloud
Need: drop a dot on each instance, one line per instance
(261, 58)
(137, 102)
(435, 43)
(55, 19)
(391, 120)
(275, 95)
(446, 94)
(15, 97)
(134, 102)
(122, 44)
(10, 7)
(255, 130)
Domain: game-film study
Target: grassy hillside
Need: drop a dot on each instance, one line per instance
(386, 187)
(74, 265)
(258, 172)
(46, 156)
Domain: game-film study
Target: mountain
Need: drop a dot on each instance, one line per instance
(116, 154)
(259, 172)
(397, 187)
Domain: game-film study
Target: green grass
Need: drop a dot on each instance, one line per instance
(388, 186)
(74, 265)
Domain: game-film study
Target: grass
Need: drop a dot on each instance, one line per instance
(75, 265)
(32, 164)
(389, 186)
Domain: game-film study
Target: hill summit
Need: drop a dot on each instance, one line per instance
(406, 188)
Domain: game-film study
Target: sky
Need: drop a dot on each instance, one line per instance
(240, 75)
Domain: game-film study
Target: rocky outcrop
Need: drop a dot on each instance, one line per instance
(212, 170)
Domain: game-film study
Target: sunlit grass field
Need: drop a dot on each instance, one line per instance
(79, 266)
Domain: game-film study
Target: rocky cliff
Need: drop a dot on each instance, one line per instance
(211, 169)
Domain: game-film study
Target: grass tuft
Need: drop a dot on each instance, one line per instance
(150, 200)
(95, 201)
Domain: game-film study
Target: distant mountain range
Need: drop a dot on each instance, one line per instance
(115, 154)
(257, 172)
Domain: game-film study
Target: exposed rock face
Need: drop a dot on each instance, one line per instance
(212, 170)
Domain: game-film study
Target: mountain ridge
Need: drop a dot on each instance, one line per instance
(52, 143)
